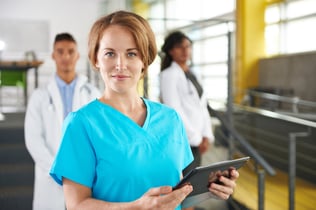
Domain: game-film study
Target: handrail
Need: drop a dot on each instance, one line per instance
(292, 142)
(294, 100)
(250, 150)
(275, 115)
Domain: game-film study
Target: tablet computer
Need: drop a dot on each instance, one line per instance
(201, 177)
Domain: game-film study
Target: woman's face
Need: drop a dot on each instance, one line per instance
(119, 60)
(181, 52)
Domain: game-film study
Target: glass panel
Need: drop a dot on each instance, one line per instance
(218, 29)
(214, 80)
(179, 17)
(212, 50)
(300, 35)
(156, 18)
(210, 45)
(272, 14)
(213, 8)
(300, 8)
(216, 70)
(153, 80)
(272, 39)
(197, 53)
(215, 88)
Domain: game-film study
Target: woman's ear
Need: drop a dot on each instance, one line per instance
(142, 75)
(97, 65)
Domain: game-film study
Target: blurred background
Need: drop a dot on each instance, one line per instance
(256, 60)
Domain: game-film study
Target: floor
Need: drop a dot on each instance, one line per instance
(16, 191)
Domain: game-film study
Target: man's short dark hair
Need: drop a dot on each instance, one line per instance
(64, 37)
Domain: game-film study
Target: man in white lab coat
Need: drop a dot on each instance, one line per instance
(48, 106)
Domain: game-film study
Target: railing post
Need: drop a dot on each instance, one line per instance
(292, 170)
(261, 189)
(229, 105)
(292, 165)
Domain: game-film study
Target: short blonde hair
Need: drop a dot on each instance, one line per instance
(137, 25)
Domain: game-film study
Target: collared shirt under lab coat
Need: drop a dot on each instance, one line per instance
(43, 124)
(179, 93)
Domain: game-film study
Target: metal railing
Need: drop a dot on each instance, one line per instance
(294, 101)
(250, 151)
(292, 142)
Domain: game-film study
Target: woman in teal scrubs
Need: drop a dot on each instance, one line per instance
(122, 151)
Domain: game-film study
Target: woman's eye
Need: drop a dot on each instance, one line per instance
(131, 54)
(109, 54)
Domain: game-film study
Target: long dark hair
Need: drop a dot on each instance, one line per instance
(172, 39)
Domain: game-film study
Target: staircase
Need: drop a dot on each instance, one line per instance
(270, 138)
(276, 191)
(16, 165)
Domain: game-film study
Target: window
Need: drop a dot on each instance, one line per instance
(207, 23)
(290, 27)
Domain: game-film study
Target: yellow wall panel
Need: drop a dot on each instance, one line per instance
(141, 8)
(250, 45)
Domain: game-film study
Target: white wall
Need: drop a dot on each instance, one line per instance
(74, 16)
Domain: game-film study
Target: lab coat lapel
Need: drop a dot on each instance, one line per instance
(56, 100)
(79, 97)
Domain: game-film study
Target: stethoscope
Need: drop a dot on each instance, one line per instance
(51, 106)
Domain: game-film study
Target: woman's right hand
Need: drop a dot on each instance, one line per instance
(163, 198)
(78, 197)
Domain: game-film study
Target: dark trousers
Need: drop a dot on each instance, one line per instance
(195, 163)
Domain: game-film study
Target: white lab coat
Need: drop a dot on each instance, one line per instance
(43, 124)
(179, 93)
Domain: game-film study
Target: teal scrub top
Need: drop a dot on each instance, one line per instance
(116, 158)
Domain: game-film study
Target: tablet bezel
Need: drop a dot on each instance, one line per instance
(199, 178)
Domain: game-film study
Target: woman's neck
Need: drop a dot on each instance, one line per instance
(184, 66)
(131, 106)
(125, 103)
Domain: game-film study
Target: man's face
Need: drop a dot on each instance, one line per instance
(66, 55)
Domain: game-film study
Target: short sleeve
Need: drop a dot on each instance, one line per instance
(75, 159)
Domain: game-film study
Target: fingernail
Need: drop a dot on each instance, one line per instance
(189, 187)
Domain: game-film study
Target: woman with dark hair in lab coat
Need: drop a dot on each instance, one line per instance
(180, 89)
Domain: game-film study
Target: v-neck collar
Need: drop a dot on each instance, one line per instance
(146, 122)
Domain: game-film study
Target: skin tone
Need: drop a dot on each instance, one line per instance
(65, 55)
(181, 53)
(121, 68)
(120, 65)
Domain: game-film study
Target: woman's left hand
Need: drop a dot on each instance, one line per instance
(226, 187)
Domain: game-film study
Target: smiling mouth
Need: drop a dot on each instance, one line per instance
(120, 76)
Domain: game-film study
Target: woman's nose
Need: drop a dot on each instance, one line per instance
(120, 63)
